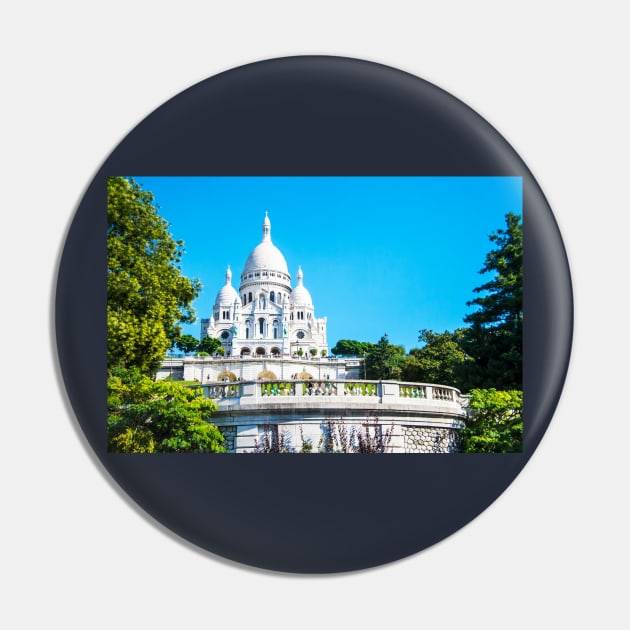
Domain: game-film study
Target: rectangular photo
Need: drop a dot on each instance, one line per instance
(314, 315)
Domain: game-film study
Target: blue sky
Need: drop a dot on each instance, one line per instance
(379, 254)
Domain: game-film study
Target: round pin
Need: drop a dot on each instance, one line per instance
(335, 210)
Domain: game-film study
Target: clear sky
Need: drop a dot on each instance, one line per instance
(379, 254)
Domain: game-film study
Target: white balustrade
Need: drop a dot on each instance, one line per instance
(391, 390)
(443, 393)
(217, 391)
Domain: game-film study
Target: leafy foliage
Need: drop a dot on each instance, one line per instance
(494, 337)
(187, 343)
(351, 348)
(146, 416)
(384, 360)
(440, 360)
(210, 345)
(147, 295)
(495, 423)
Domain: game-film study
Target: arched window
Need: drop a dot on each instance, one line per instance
(249, 298)
(272, 297)
(261, 326)
(275, 329)
(247, 324)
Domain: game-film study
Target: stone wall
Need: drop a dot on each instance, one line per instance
(413, 439)
(172, 369)
(229, 433)
(430, 440)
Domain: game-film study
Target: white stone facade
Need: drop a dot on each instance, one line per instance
(266, 317)
(218, 369)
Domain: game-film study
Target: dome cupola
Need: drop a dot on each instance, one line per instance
(300, 295)
(227, 295)
(265, 256)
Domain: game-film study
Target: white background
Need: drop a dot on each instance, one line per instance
(552, 78)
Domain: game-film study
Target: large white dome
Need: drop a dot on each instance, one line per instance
(266, 255)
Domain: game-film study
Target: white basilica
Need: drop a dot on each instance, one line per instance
(266, 317)
(276, 377)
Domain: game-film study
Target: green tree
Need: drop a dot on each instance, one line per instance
(384, 360)
(147, 295)
(187, 343)
(147, 416)
(351, 348)
(495, 422)
(440, 360)
(210, 345)
(494, 337)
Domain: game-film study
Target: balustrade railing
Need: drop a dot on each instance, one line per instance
(443, 393)
(278, 388)
(319, 388)
(412, 391)
(365, 388)
(223, 390)
(388, 390)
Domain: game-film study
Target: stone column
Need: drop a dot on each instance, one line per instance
(389, 389)
(251, 390)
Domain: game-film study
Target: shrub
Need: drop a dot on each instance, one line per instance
(495, 422)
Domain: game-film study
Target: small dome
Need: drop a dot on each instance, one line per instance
(266, 255)
(227, 295)
(300, 295)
